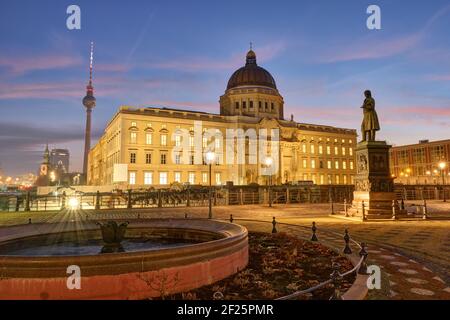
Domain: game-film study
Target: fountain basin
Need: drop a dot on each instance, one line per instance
(214, 251)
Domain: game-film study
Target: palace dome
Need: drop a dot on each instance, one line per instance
(251, 74)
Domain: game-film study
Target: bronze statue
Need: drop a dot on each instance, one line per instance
(370, 122)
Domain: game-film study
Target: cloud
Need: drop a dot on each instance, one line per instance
(22, 145)
(371, 48)
(22, 65)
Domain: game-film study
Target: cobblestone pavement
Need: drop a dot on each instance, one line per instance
(414, 255)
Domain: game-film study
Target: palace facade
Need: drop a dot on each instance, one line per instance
(139, 142)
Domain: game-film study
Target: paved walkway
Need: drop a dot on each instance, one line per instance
(413, 255)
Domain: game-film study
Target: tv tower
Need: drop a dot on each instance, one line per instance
(89, 103)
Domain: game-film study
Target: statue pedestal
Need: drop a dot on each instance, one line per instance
(374, 186)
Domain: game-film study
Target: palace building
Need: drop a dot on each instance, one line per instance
(138, 142)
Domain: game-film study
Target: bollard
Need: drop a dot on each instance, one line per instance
(345, 208)
(336, 280)
(274, 224)
(364, 218)
(363, 253)
(185, 215)
(231, 218)
(425, 210)
(347, 249)
(27, 202)
(97, 200)
(394, 217)
(129, 205)
(314, 229)
(402, 207)
(63, 201)
(331, 204)
(29, 221)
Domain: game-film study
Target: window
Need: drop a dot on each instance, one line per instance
(329, 179)
(148, 138)
(177, 141)
(304, 148)
(313, 149)
(204, 177)
(204, 142)
(191, 141)
(337, 179)
(336, 150)
(177, 177)
(313, 178)
(352, 179)
(237, 105)
(350, 151)
(244, 104)
(132, 178)
(344, 179)
(304, 164)
(132, 157)
(322, 181)
(320, 149)
(343, 151)
(260, 105)
(191, 177)
(133, 124)
(218, 178)
(272, 106)
(164, 139)
(305, 177)
(163, 178)
(351, 165)
(163, 158)
(328, 150)
(321, 164)
(251, 105)
(336, 164)
(148, 158)
(344, 164)
(217, 143)
(266, 106)
(133, 137)
(329, 164)
(177, 158)
(148, 177)
(313, 164)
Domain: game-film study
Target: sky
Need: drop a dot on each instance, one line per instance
(182, 53)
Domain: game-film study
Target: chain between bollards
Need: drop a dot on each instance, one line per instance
(347, 249)
(274, 224)
(336, 280)
(314, 229)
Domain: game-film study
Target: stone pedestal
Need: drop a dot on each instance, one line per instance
(374, 185)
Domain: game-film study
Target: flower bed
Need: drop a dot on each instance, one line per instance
(279, 264)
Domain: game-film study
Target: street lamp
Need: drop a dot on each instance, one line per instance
(442, 166)
(210, 157)
(269, 161)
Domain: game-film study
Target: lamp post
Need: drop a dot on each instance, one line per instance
(269, 162)
(442, 166)
(210, 157)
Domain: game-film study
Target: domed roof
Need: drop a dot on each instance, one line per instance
(251, 74)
